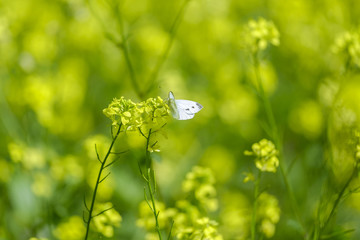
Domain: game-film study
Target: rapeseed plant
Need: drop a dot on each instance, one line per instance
(268, 214)
(265, 153)
(57, 69)
(200, 184)
(189, 217)
(266, 160)
(146, 117)
(259, 34)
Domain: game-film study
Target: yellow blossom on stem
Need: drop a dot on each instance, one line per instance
(152, 113)
(72, 229)
(248, 177)
(265, 153)
(204, 229)
(107, 219)
(348, 44)
(200, 181)
(259, 34)
(268, 214)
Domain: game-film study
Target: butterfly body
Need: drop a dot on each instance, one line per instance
(183, 109)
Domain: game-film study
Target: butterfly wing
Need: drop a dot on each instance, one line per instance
(172, 104)
(184, 115)
(183, 109)
(189, 106)
(187, 109)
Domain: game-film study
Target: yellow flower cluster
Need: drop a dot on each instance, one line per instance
(259, 34)
(29, 157)
(265, 153)
(200, 181)
(268, 214)
(348, 44)
(189, 222)
(204, 229)
(72, 229)
(152, 113)
(107, 220)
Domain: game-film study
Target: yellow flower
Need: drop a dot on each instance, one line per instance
(265, 155)
(206, 195)
(152, 114)
(348, 44)
(204, 229)
(42, 185)
(106, 221)
(200, 181)
(259, 34)
(72, 229)
(248, 177)
(30, 158)
(268, 214)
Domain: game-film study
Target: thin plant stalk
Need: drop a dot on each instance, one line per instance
(148, 158)
(153, 205)
(254, 212)
(99, 180)
(165, 54)
(150, 180)
(337, 201)
(125, 49)
(121, 44)
(274, 134)
(319, 227)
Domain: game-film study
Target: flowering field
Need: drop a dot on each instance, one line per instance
(183, 120)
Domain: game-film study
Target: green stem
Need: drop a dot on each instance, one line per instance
(165, 54)
(319, 227)
(256, 196)
(125, 49)
(337, 201)
(275, 135)
(148, 158)
(149, 181)
(265, 100)
(155, 212)
(121, 45)
(98, 181)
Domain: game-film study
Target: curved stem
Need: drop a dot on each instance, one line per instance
(125, 49)
(337, 201)
(98, 181)
(121, 44)
(165, 54)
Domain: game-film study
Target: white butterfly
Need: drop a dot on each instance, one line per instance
(183, 109)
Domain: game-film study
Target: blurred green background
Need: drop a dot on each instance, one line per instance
(59, 69)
